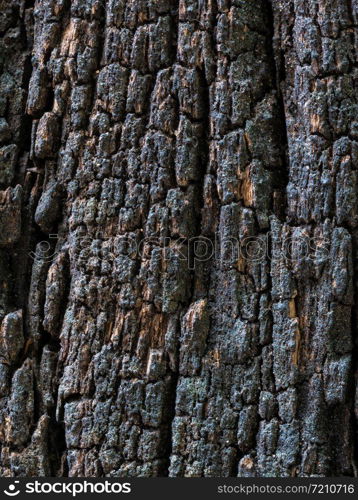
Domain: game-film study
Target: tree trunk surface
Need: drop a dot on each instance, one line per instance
(178, 237)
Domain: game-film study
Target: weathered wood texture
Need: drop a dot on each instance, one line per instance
(174, 120)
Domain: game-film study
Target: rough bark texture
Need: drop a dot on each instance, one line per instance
(182, 122)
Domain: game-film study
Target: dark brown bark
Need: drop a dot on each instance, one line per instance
(136, 137)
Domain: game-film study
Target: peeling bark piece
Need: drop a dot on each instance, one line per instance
(21, 406)
(38, 92)
(48, 209)
(195, 328)
(10, 215)
(47, 136)
(336, 379)
(11, 336)
(56, 285)
(8, 158)
(5, 132)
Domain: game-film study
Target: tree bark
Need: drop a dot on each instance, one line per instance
(178, 237)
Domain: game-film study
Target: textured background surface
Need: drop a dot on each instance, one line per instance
(173, 120)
